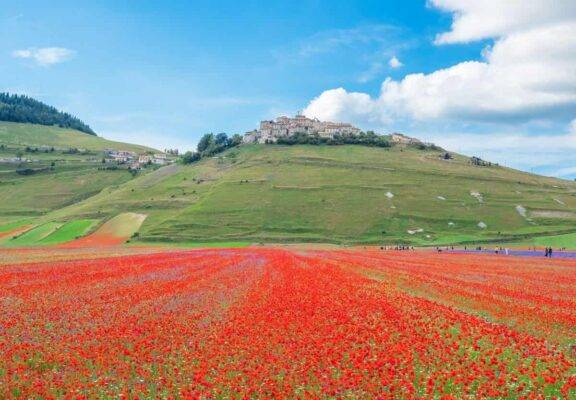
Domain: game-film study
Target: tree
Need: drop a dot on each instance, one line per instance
(211, 144)
(205, 142)
(236, 140)
(221, 140)
(16, 108)
(190, 157)
(365, 139)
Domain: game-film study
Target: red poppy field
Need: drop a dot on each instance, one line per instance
(276, 323)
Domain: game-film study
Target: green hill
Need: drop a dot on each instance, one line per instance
(22, 135)
(24, 109)
(44, 168)
(343, 194)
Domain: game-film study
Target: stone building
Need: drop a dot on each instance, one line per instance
(271, 131)
(403, 139)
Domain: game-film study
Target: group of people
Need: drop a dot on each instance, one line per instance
(397, 247)
(498, 250)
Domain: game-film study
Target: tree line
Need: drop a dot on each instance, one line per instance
(363, 138)
(24, 109)
(211, 144)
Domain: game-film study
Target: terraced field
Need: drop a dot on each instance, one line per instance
(68, 232)
(113, 232)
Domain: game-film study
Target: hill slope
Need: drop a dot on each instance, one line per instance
(52, 177)
(21, 135)
(347, 194)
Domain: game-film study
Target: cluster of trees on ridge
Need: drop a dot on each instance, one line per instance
(210, 145)
(363, 138)
(23, 109)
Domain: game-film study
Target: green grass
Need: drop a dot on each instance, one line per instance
(30, 196)
(16, 134)
(34, 235)
(335, 194)
(557, 241)
(69, 231)
(13, 225)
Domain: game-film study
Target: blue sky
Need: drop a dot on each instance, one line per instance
(164, 73)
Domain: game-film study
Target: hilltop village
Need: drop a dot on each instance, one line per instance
(271, 131)
(298, 130)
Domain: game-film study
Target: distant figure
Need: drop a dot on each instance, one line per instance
(550, 252)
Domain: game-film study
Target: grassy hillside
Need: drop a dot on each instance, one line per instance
(346, 194)
(16, 134)
(47, 180)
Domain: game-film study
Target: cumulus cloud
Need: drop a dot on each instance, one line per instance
(340, 105)
(45, 56)
(475, 20)
(528, 73)
(395, 62)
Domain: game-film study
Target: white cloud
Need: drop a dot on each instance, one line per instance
(395, 63)
(340, 105)
(45, 56)
(529, 73)
(475, 20)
